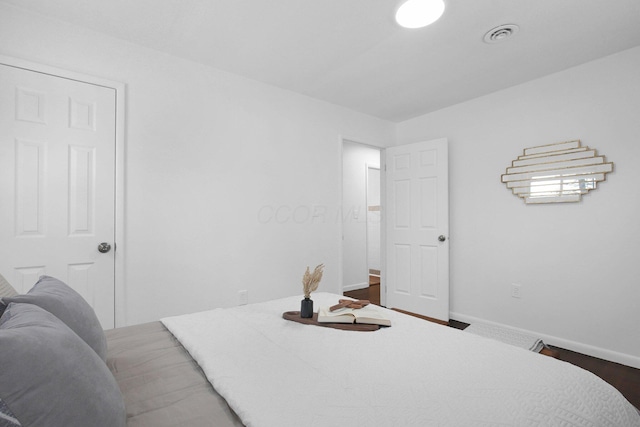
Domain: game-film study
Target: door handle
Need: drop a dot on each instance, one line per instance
(441, 238)
(104, 247)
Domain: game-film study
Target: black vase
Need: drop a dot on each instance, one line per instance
(306, 308)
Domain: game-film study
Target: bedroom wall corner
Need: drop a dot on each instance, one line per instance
(575, 262)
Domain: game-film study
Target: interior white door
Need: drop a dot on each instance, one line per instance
(57, 184)
(417, 228)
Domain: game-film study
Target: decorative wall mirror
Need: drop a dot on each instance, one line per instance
(556, 173)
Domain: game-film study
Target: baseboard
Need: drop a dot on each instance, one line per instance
(355, 286)
(601, 353)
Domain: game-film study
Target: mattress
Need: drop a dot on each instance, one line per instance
(273, 372)
(162, 385)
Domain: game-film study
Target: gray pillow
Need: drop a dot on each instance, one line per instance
(52, 378)
(7, 419)
(69, 306)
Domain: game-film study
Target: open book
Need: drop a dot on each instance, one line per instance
(370, 314)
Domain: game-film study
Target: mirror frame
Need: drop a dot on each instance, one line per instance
(556, 173)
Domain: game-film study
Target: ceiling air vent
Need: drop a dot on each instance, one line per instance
(500, 33)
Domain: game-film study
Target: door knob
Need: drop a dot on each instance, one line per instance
(442, 238)
(104, 247)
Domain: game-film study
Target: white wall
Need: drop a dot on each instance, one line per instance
(230, 184)
(355, 159)
(577, 263)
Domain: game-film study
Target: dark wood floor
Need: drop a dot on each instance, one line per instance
(626, 379)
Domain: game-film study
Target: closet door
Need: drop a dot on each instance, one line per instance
(57, 184)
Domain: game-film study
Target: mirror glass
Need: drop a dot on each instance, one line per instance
(556, 173)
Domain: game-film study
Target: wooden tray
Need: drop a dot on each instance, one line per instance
(295, 317)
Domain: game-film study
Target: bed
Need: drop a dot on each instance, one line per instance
(249, 366)
(161, 383)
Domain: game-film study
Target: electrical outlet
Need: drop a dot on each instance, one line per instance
(516, 290)
(243, 297)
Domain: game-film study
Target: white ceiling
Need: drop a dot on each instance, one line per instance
(351, 52)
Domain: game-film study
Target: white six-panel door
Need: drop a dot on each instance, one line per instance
(57, 184)
(417, 228)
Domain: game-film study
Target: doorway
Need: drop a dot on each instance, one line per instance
(361, 221)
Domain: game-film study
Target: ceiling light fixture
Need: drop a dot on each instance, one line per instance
(419, 13)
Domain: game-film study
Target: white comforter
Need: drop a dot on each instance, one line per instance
(275, 372)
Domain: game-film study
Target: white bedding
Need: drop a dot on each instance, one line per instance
(275, 372)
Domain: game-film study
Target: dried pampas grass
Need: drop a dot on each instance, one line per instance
(310, 281)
